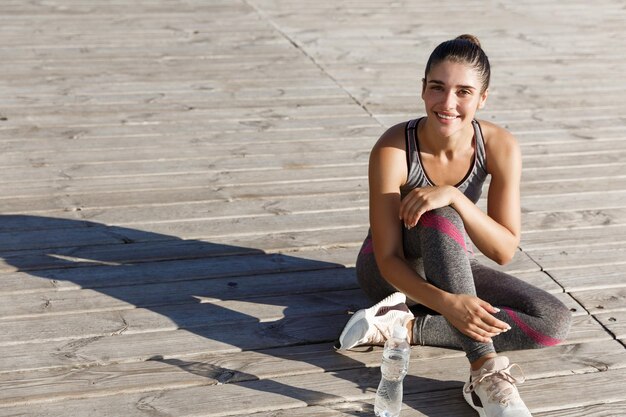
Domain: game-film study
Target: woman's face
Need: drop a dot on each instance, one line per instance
(452, 95)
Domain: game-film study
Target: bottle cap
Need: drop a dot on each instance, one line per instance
(400, 332)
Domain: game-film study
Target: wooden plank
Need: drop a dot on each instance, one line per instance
(104, 276)
(229, 179)
(20, 240)
(307, 105)
(615, 322)
(168, 248)
(438, 404)
(191, 211)
(32, 386)
(141, 166)
(209, 229)
(604, 300)
(52, 303)
(581, 257)
(540, 394)
(49, 303)
(64, 256)
(220, 338)
(582, 278)
(111, 317)
(327, 388)
(140, 347)
(533, 224)
(595, 410)
(225, 142)
(192, 127)
(170, 317)
(602, 236)
(571, 187)
(173, 373)
(572, 303)
(154, 192)
(155, 152)
(571, 220)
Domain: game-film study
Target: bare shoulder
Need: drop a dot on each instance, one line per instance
(496, 136)
(387, 158)
(393, 137)
(500, 144)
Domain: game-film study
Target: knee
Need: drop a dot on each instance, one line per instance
(561, 320)
(448, 212)
(442, 215)
(557, 320)
(444, 221)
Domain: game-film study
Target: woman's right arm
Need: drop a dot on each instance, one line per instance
(387, 172)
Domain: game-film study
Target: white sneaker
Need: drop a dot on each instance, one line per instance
(374, 325)
(493, 393)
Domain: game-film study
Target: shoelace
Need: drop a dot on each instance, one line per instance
(495, 378)
(381, 336)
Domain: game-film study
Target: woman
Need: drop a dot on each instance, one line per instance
(425, 177)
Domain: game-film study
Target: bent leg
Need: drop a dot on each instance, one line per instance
(537, 318)
(441, 238)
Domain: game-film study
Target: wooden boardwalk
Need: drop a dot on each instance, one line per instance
(183, 193)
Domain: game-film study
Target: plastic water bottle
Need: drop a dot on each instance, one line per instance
(393, 369)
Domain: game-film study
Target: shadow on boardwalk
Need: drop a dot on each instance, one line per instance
(169, 276)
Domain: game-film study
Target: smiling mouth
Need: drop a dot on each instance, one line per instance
(445, 116)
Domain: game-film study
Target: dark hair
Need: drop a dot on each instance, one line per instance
(464, 49)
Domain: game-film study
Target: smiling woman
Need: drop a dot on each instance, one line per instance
(425, 177)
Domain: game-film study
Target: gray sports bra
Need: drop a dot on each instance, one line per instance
(471, 185)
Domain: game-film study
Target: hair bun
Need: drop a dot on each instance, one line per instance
(471, 38)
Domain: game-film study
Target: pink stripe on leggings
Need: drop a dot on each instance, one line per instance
(442, 224)
(538, 337)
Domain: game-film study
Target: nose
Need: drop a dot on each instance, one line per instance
(449, 100)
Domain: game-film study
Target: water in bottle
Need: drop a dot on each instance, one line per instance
(394, 367)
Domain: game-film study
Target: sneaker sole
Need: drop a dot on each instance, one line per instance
(361, 319)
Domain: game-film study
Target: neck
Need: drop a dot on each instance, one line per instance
(434, 142)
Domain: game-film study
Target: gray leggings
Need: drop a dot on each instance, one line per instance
(537, 318)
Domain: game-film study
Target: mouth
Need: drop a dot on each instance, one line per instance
(445, 116)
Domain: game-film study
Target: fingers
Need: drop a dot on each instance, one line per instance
(483, 327)
(492, 321)
(480, 336)
(411, 210)
(414, 220)
(409, 205)
(484, 335)
(491, 330)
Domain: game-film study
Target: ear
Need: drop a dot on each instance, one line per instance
(483, 99)
(423, 87)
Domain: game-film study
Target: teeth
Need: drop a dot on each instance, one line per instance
(443, 116)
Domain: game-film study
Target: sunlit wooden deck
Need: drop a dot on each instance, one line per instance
(183, 193)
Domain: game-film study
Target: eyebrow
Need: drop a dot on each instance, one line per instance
(459, 86)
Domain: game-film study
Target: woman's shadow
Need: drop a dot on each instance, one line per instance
(190, 284)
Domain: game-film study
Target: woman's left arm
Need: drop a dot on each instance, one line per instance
(497, 232)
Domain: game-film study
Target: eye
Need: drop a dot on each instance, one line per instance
(465, 92)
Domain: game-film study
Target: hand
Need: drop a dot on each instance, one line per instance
(420, 200)
(473, 317)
